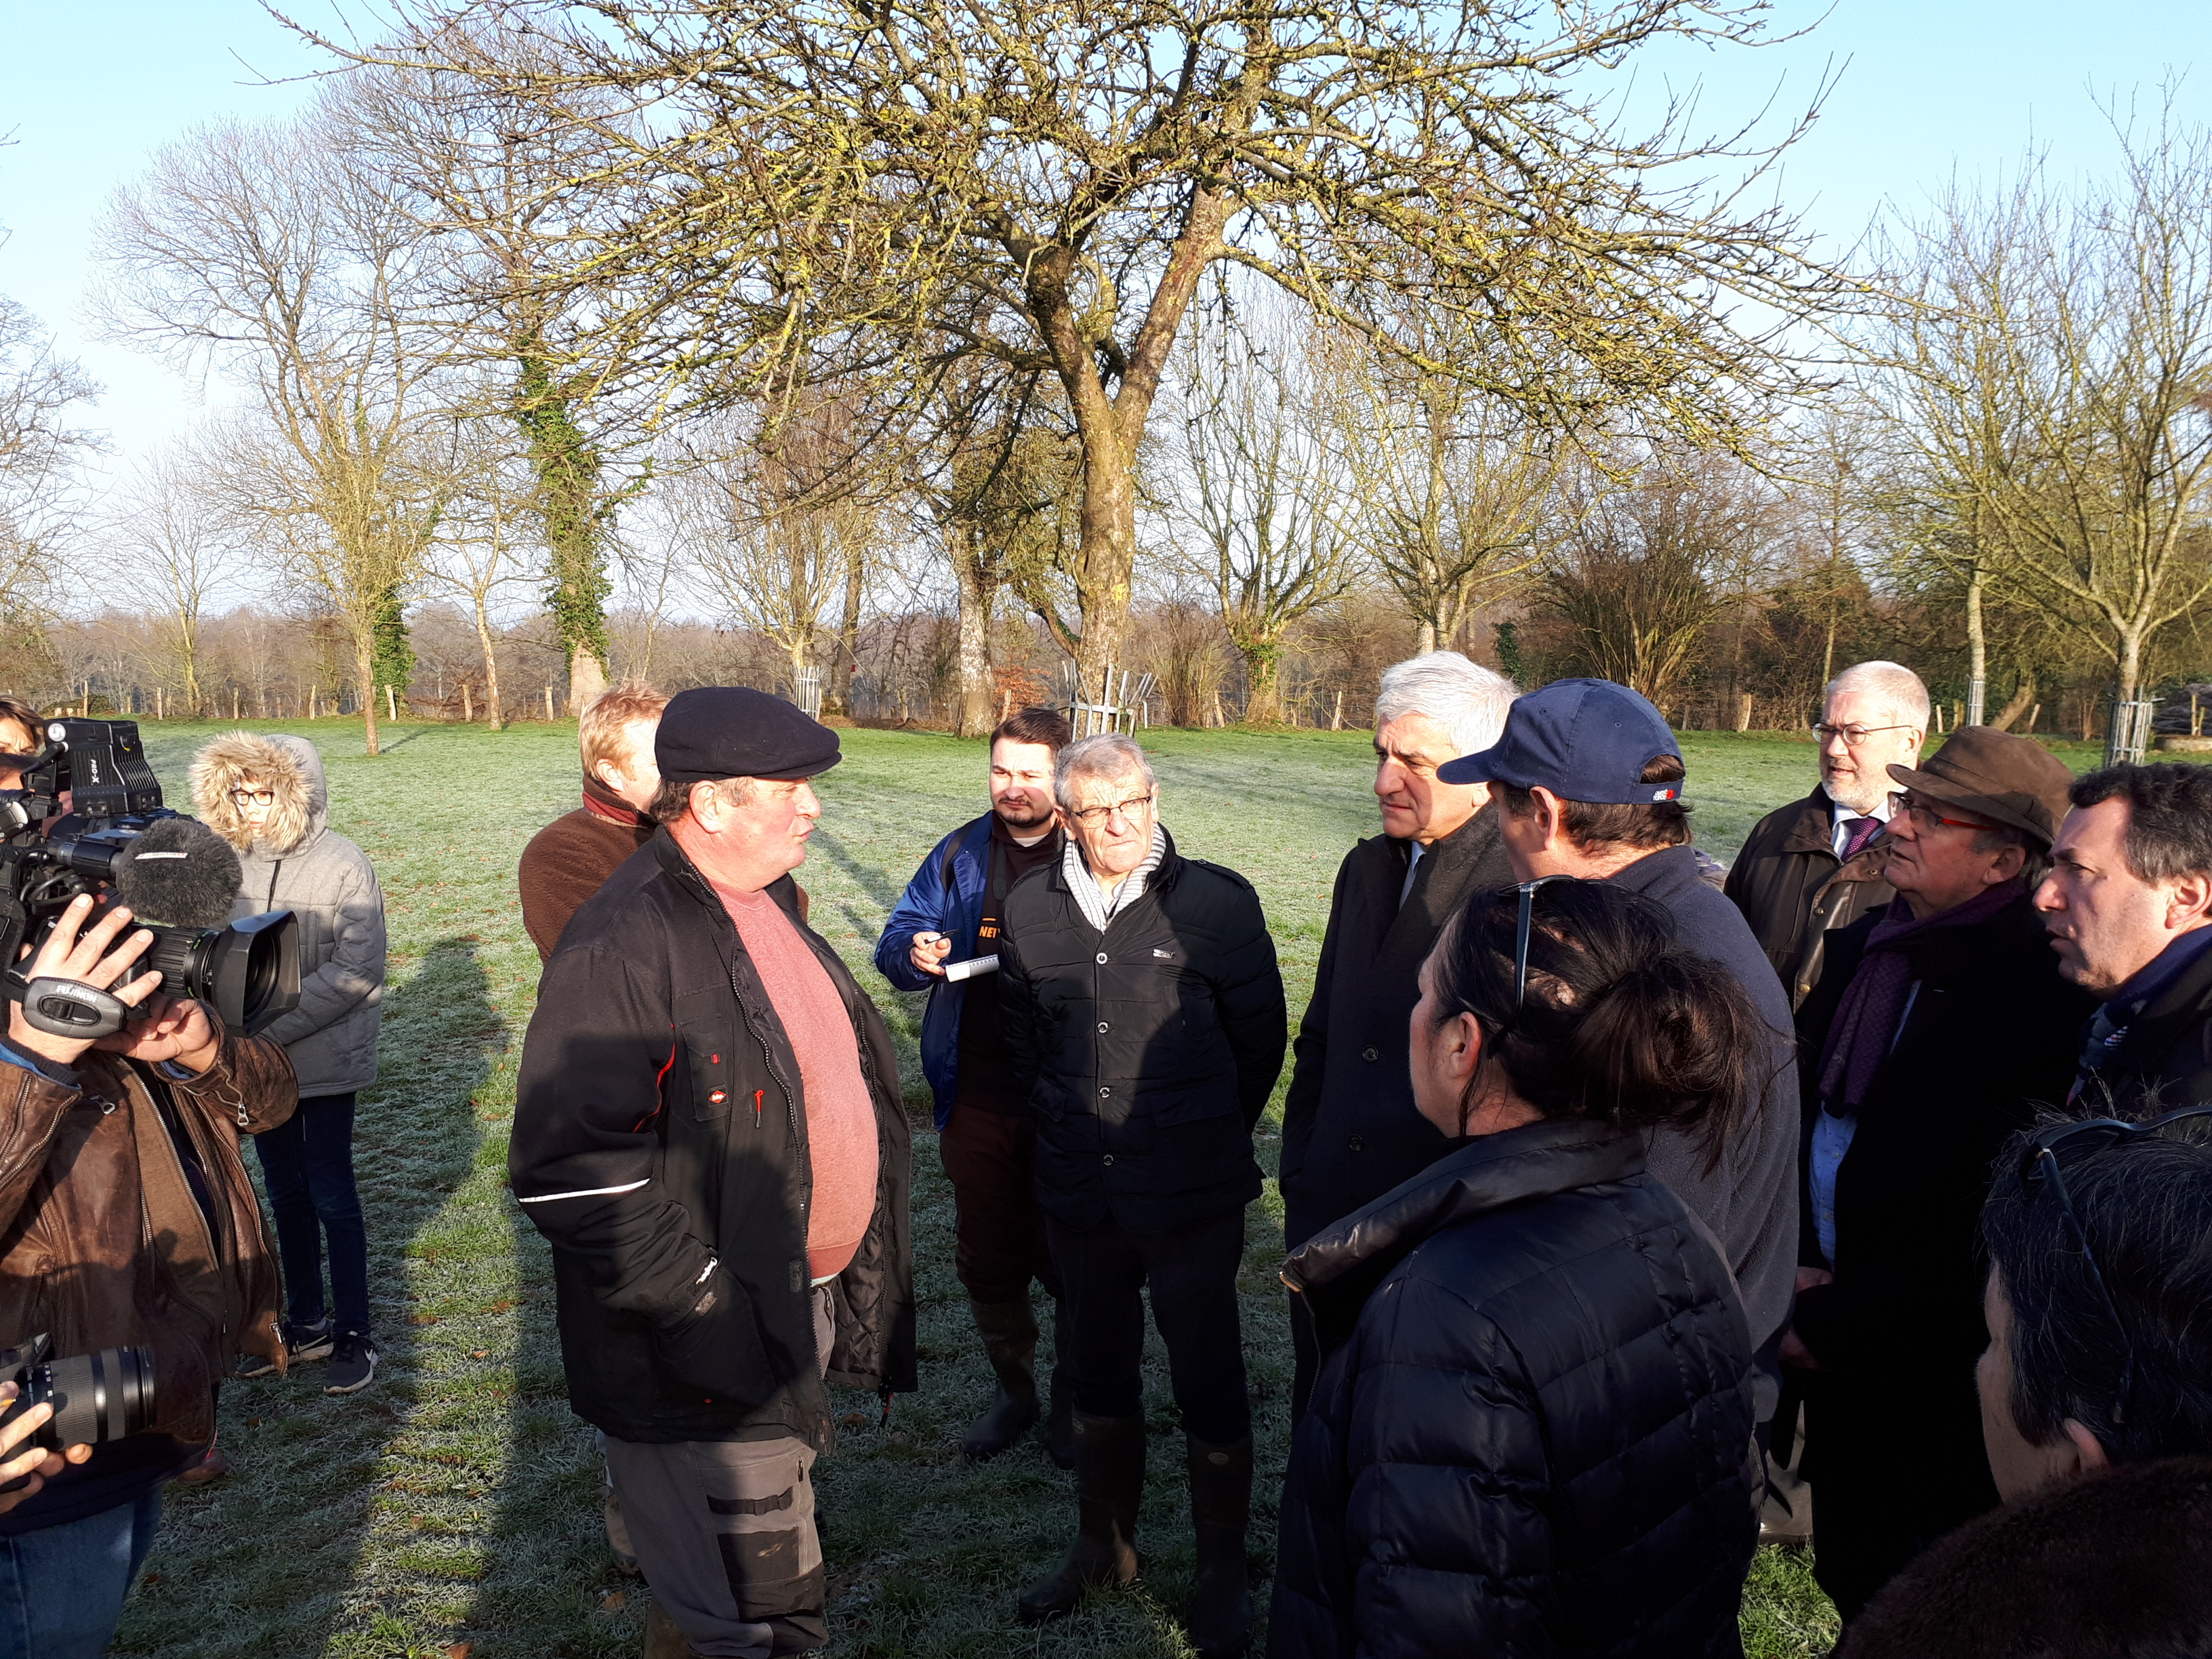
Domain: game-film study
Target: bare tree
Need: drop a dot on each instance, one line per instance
(1450, 487)
(497, 183)
(1647, 566)
(41, 444)
(268, 253)
(169, 527)
(816, 190)
(762, 535)
(2047, 362)
(1258, 491)
(485, 548)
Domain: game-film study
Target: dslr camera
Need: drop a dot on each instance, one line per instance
(108, 1395)
(52, 849)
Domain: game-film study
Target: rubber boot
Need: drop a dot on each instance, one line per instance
(1010, 1337)
(1059, 1421)
(617, 1531)
(1220, 1617)
(1109, 1483)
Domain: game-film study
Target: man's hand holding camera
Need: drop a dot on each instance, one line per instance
(35, 1467)
(166, 1028)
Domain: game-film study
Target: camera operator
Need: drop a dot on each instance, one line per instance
(129, 1221)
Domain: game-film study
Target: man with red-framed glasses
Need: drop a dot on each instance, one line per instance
(1939, 1027)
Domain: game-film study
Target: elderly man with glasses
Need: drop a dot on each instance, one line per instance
(1811, 868)
(1144, 1014)
(1938, 1029)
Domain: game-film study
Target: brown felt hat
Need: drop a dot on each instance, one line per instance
(1995, 776)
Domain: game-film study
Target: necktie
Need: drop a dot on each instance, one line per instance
(1858, 832)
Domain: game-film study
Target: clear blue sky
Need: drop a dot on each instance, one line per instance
(1926, 88)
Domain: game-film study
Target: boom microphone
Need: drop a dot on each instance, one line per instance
(180, 873)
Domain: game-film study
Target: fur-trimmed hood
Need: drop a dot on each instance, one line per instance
(286, 764)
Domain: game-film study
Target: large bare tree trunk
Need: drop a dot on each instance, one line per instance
(975, 712)
(837, 692)
(2023, 697)
(493, 713)
(1978, 654)
(588, 678)
(1425, 637)
(1263, 677)
(364, 674)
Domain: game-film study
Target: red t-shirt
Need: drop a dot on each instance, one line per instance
(841, 1118)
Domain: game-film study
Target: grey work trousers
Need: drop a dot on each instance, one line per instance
(724, 1530)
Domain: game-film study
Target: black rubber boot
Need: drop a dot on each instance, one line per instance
(1220, 1617)
(1059, 1421)
(1109, 1483)
(1010, 1337)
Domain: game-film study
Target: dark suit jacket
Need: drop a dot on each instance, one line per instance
(1796, 894)
(1351, 1132)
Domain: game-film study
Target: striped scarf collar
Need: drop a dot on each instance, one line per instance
(1098, 909)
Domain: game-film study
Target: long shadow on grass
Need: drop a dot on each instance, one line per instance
(884, 888)
(291, 1554)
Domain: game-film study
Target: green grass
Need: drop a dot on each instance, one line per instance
(456, 1502)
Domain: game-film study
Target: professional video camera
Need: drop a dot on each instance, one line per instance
(108, 1395)
(89, 819)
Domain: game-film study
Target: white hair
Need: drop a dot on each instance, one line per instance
(1109, 755)
(1468, 700)
(1890, 685)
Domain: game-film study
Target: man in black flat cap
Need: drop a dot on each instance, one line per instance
(708, 1131)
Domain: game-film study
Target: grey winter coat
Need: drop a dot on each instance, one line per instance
(298, 863)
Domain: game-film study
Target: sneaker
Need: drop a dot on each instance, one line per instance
(301, 1342)
(353, 1365)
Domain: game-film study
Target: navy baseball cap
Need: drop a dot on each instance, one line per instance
(1582, 740)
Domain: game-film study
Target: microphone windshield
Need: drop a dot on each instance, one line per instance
(180, 873)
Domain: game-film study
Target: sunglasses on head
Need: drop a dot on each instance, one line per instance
(2038, 1166)
(1527, 892)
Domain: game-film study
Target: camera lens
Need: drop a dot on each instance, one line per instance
(96, 1397)
(247, 972)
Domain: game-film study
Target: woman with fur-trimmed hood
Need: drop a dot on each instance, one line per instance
(265, 795)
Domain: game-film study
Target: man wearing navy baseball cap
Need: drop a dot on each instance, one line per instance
(1589, 781)
(708, 1131)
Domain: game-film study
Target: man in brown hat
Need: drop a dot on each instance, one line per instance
(1939, 1025)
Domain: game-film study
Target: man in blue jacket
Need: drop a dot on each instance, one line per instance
(948, 918)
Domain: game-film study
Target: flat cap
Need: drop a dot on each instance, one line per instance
(2006, 778)
(714, 731)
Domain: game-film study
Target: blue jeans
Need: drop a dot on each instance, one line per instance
(62, 1588)
(308, 1161)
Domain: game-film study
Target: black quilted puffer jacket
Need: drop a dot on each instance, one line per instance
(1532, 1433)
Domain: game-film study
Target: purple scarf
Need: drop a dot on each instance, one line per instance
(1866, 1021)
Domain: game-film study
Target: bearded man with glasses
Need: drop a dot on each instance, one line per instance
(1940, 1027)
(1811, 868)
(1144, 1015)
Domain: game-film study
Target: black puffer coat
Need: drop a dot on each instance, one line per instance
(660, 1146)
(1148, 1050)
(1535, 1434)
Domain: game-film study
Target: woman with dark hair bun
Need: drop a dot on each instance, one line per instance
(1532, 1429)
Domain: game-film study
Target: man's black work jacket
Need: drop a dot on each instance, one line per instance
(660, 1146)
(1350, 1131)
(1797, 895)
(1147, 1051)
